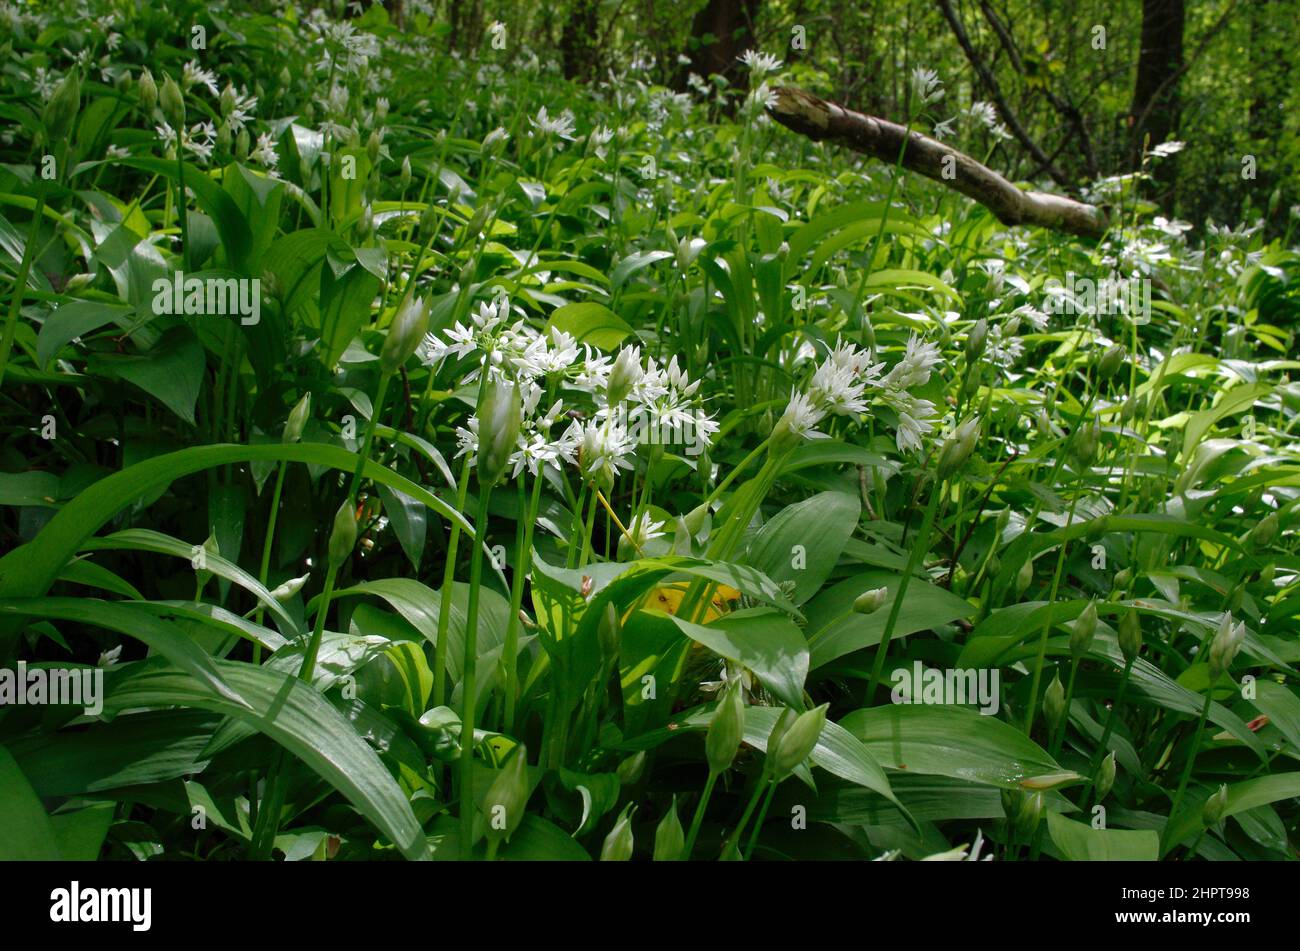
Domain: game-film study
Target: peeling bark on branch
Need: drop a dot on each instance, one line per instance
(820, 120)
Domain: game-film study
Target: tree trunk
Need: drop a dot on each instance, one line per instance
(1154, 112)
(579, 50)
(720, 33)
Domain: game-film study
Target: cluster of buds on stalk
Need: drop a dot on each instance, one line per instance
(405, 334)
(792, 741)
(1223, 648)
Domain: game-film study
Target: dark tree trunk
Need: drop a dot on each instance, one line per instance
(720, 32)
(1154, 112)
(579, 47)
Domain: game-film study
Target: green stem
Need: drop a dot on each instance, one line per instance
(522, 563)
(468, 671)
(266, 549)
(759, 788)
(20, 284)
(699, 815)
(920, 545)
(313, 648)
(369, 437)
(182, 212)
(445, 598)
(1191, 755)
(762, 817)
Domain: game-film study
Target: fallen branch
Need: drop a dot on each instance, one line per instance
(820, 120)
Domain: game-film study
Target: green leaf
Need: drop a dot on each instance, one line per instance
(635, 262)
(297, 717)
(80, 835)
(1082, 843)
(1243, 796)
(802, 543)
(30, 569)
(30, 488)
(838, 630)
(956, 742)
(25, 831)
(133, 620)
(765, 641)
(420, 605)
(75, 319)
(171, 371)
(133, 750)
(591, 323)
(236, 237)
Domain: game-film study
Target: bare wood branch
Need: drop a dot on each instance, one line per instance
(820, 120)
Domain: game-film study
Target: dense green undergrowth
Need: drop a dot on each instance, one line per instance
(963, 541)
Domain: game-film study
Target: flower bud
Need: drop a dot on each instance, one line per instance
(148, 91)
(976, 338)
(725, 729)
(298, 417)
(798, 742)
(373, 142)
(625, 374)
(1011, 803)
(1085, 626)
(404, 178)
(958, 447)
(1031, 813)
(1024, 577)
(1215, 806)
(506, 797)
(291, 587)
(618, 844)
(242, 144)
(228, 100)
(343, 537)
(1054, 702)
(1111, 361)
(868, 602)
(172, 102)
(1223, 648)
(1262, 535)
(779, 729)
(499, 417)
(993, 567)
(630, 770)
(1086, 438)
(1130, 635)
(1105, 776)
(429, 221)
(405, 334)
(670, 840)
(1123, 578)
(223, 138)
(61, 110)
(694, 519)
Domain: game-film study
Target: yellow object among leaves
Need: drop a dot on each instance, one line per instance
(668, 598)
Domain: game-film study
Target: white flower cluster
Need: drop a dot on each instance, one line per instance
(613, 404)
(850, 378)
